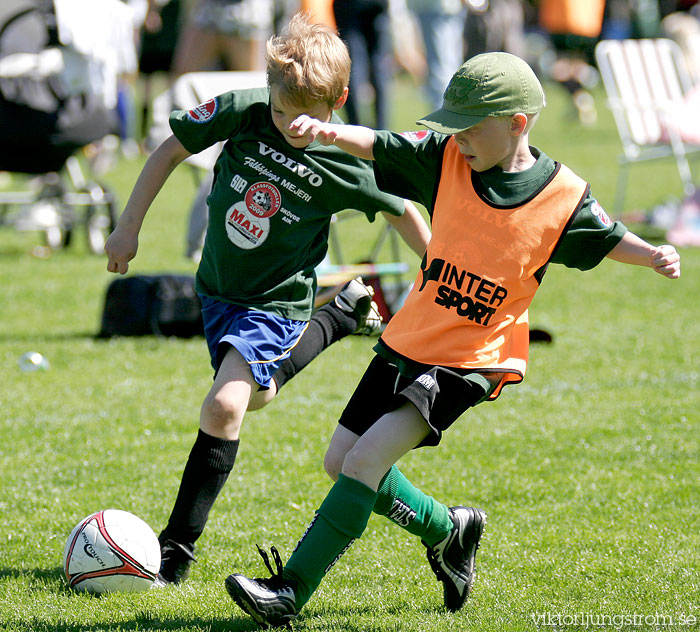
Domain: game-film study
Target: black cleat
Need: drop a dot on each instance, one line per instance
(175, 561)
(452, 559)
(271, 602)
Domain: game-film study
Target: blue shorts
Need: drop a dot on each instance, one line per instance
(263, 339)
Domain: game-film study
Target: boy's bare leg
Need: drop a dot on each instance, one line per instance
(341, 443)
(209, 464)
(373, 454)
(225, 405)
(233, 393)
(450, 535)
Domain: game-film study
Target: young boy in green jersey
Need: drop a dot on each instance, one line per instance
(501, 212)
(270, 208)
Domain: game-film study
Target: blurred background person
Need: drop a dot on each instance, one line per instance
(441, 23)
(224, 35)
(682, 24)
(158, 37)
(364, 25)
(319, 11)
(574, 28)
(494, 25)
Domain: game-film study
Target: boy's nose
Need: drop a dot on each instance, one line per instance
(460, 140)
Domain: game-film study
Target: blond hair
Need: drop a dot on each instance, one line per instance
(308, 63)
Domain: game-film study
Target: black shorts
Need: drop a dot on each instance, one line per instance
(440, 395)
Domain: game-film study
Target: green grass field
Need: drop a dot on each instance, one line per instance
(589, 470)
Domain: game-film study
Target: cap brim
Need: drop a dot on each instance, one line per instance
(447, 122)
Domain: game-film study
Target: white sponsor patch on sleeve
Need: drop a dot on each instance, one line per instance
(204, 112)
(416, 136)
(600, 213)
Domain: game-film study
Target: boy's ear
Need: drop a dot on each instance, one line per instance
(518, 123)
(341, 100)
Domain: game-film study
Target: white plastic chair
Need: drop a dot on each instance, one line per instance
(645, 81)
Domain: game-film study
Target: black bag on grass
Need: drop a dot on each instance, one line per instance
(161, 305)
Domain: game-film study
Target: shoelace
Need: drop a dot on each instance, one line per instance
(276, 575)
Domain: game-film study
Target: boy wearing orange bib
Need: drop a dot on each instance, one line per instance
(501, 212)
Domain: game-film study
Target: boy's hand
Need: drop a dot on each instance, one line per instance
(313, 129)
(121, 248)
(665, 260)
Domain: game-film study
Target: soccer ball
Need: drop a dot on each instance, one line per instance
(262, 199)
(110, 551)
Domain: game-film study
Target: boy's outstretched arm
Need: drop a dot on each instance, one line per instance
(412, 228)
(663, 259)
(354, 139)
(123, 243)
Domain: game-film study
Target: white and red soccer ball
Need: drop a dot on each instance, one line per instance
(111, 551)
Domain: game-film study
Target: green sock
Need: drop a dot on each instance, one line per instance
(341, 518)
(406, 505)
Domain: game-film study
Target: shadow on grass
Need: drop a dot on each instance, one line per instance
(145, 623)
(327, 619)
(42, 574)
(357, 619)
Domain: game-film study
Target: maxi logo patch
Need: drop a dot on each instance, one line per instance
(204, 112)
(248, 220)
(244, 229)
(263, 199)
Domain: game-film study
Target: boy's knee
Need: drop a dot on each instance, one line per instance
(343, 441)
(333, 464)
(334, 461)
(354, 464)
(221, 412)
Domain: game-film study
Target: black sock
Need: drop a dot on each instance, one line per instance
(328, 325)
(208, 466)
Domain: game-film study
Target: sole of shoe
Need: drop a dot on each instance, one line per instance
(244, 601)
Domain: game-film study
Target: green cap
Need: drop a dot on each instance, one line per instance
(491, 84)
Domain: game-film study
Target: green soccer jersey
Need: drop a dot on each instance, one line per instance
(271, 205)
(590, 236)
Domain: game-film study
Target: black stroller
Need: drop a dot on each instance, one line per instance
(45, 118)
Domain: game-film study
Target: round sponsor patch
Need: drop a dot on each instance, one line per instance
(600, 213)
(263, 199)
(416, 136)
(204, 112)
(245, 229)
